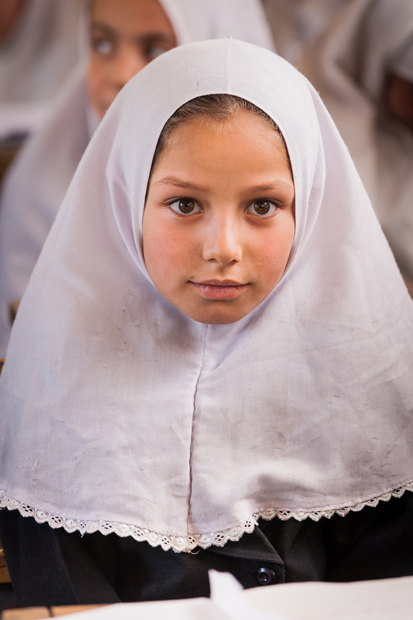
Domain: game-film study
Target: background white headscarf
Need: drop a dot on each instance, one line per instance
(295, 23)
(119, 413)
(37, 183)
(35, 60)
(348, 66)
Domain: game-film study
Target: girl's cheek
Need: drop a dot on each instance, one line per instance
(95, 86)
(275, 249)
(101, 85)
(167, 247)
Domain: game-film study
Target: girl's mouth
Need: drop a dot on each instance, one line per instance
(219, 289)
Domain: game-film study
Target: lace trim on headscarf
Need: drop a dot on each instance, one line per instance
(187, 544)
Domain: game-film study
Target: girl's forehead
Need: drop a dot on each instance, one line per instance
(130, 17)
(234, 154)
(244, 122)
(211, 121)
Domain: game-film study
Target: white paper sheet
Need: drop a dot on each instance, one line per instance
(190, 609)
(388, 599)
(227, 603)
(228, 596)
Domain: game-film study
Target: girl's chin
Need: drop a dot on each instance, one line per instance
(216, 311)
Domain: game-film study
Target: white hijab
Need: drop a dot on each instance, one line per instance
(38, 182)
(36, 59)
(295, 23)
(348, 66)
(120, 414)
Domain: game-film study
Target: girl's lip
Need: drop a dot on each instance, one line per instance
(221, 283)
(219, 289)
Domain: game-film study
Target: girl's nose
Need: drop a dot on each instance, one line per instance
(129, 63)
(222, 243)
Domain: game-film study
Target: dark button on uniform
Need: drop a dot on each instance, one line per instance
(265, 576)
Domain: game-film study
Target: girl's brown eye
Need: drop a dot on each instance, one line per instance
(185, 206)
(154, 51)
(262, 207)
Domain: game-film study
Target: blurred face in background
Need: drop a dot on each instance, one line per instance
(125, 35)
(10, 12)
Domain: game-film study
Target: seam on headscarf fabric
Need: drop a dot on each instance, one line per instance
(206, 331)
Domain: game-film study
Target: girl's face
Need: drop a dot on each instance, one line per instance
(125, 35)
(218, 224)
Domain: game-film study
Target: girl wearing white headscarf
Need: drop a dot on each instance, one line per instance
(354, 66)
(36, 57)
(38, 182)
(278, 446)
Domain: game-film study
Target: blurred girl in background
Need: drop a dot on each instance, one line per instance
(363, 68)
(39, 47)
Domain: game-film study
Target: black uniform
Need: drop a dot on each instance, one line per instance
(51, 567)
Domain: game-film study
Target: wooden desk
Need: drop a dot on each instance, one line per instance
(4, 573)
(38, 613)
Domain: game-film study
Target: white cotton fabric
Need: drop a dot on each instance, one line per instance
(36, 58)
(34, 189)
(197, 20)
(119, 413)
(38, 181)
(348, 66)
(296, 23)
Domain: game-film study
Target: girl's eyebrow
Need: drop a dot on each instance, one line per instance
(144, 38)
(103, 27)
(176, 182)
